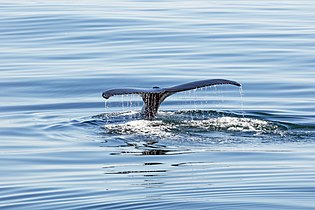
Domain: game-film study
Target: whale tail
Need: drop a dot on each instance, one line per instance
(152, 98)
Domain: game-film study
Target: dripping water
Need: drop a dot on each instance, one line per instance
(122, 103)
(242, 100)
(195, 99)
(130, 107)
(190, 102)
(197, 102)
(202, 104)
(106, 111)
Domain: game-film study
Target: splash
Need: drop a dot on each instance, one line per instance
(142, 127)
(239, 124)
(169, 124)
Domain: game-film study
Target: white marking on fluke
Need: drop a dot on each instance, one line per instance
(152, 98)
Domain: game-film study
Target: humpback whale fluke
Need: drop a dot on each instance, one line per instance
(152, 98)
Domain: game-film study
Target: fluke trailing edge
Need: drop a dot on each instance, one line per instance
(152, 98)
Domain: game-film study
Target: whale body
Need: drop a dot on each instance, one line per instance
(152, 98)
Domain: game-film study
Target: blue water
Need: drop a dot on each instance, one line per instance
(62, 147)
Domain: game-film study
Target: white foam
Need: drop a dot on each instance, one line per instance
(233, 124)
(142, 127)
(162, 128)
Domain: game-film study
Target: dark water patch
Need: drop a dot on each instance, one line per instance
(146, 151)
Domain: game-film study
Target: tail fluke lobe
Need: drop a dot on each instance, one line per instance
(125, 91)
(200, 84)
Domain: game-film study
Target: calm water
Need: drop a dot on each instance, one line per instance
(215, 148)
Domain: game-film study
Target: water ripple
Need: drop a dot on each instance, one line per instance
(60, 149)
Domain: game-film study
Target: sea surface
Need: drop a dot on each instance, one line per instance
(221, 147)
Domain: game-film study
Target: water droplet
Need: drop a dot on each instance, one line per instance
(242, 101)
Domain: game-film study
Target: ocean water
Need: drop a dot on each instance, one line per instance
(221, 147)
